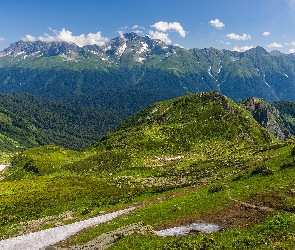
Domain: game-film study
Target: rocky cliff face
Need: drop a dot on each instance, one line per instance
(268, 117)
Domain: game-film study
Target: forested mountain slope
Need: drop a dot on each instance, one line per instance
(60, 70)
(60, 123)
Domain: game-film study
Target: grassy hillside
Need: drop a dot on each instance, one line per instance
(197, 158)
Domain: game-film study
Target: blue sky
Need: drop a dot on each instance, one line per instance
(223, 24)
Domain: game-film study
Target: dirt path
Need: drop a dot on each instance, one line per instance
(262, 208)
(51, 236)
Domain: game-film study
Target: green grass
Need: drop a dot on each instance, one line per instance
(277, 232)
(210, 203)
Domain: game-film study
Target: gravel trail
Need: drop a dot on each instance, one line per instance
(41, 239)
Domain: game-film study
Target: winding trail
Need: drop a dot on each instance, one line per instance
(51, 236)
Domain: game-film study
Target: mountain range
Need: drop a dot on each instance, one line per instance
(60, 70)
(94, 88)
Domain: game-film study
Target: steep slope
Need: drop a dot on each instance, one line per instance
(287, 114)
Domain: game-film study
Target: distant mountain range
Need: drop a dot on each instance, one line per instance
(62, 70)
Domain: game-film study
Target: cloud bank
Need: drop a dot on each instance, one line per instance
(28, 38)
(291, 43)
(275, 45)
(164, 26)
(242, 49)
(160, 36)
(234, 36)
(67, 36)
(217, 24)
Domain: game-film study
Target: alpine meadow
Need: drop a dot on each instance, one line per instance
(196, 144)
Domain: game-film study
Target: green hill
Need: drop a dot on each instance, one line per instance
(196, 158)
(193, 123)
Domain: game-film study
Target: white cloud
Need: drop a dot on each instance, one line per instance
(160, 35)
(266, 33)
(292, 51)
(138, 27)
(238, 37)
(67, 36)
(227, 43)
(217, 24)
(138, 32)
(274, 45)
(291, 43)
(123, 28)
(121, 34)
(164, 26)
(2, 39)
(242, 49)
(28, 38)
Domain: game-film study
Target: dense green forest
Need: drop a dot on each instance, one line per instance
(60, 123)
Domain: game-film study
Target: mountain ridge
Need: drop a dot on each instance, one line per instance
(148, 69)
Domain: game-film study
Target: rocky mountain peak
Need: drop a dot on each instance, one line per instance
(257, 50)
(39, 48)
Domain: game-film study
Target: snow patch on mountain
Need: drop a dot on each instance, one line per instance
(144, 48)
(121, 49)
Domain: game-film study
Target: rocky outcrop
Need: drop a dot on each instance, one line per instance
(268, 117)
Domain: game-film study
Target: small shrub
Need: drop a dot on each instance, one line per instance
(85, 211)
(215, 188)
(238, 177)
(262, 170)
(30, 166)
(293, 151)
(286, 165)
